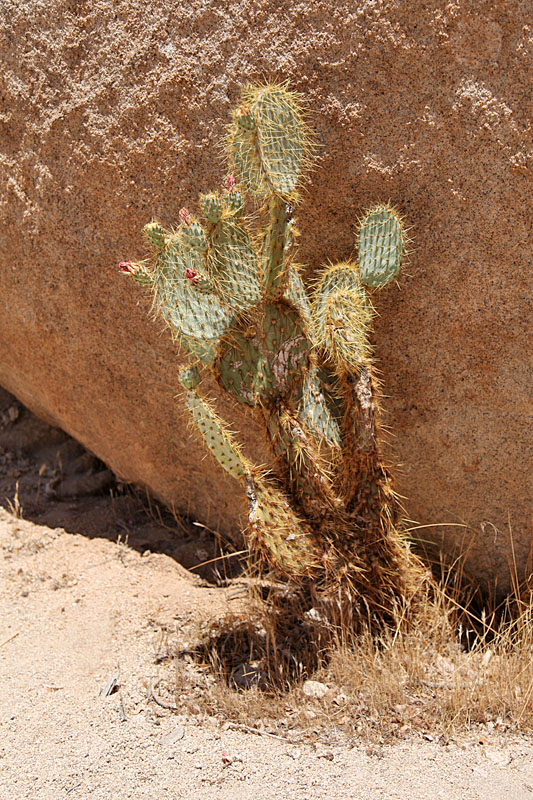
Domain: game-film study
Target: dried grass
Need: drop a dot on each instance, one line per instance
(460, 667)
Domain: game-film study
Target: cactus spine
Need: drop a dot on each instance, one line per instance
(326, 516)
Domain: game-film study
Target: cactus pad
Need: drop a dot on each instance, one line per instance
(268, 141)
(194, 236)
(277, 533)
(212, 207)
(233, 263)
(187, 311)
(319, 410)
(381, 247)
(346, 318)
(339, 278)
(214, 433)
(234, 203)
(155, 234)
(240, 367)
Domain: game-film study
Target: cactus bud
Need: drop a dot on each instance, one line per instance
(198, 281)
(185, 216)
(137, 272)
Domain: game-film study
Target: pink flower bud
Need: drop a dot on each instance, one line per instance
(127, 267)
(230, 182)
(192, 275)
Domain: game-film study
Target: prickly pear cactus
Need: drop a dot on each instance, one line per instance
(325, 516)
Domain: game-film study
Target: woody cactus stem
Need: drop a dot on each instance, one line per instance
(326, 517)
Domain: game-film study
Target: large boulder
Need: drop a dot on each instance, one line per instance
(109, 116)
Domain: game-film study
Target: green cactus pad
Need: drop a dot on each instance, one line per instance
(319, 408)
(212, 207)
(381, 247)
(240, 367)
(214, 432)
(194, 236)
(268, 141)
(232, 261)
(281, 137)
(187, 311)
(156, 234)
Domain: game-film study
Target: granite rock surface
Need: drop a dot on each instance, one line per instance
(110, 113)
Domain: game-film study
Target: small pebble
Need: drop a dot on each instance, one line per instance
(315, 689)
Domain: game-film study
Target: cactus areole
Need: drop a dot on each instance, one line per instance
(326, 515)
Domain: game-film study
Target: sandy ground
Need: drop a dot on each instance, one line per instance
(82, 611)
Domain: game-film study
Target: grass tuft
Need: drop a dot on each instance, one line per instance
(455, 669)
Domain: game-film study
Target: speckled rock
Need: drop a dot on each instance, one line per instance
(109, 116)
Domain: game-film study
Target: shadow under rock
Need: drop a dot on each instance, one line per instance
(50, 479)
